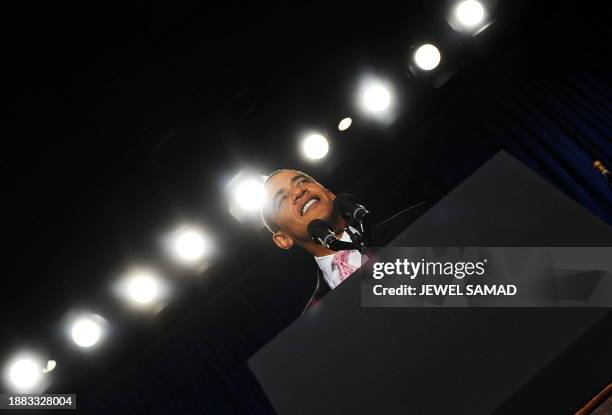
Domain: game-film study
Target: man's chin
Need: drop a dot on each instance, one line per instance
(335, 222)
(323, 214)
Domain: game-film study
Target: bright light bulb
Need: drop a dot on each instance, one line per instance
(51, 364)
(85, 332)
(25, 374)
(189, 245)
(470, 13)
(344, 124)
(315, 146)
(249, 194)
(142, 288)
(376, 98)
(427, 57)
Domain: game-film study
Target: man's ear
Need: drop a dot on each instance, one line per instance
(282, 240)
(331, 194)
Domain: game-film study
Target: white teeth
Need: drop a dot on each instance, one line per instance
(308, 205)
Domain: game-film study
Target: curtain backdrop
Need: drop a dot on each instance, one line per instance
(556, 117)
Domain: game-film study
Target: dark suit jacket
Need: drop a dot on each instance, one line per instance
(382, 234)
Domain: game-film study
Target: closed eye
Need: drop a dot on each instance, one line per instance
(280, 202)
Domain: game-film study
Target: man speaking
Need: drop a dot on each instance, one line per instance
(293, 200)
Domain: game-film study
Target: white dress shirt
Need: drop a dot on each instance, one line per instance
(330, 270)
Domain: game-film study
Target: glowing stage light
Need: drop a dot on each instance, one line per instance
(51, 364)
(188, 245)
(246, 195)
(249, 194)
(25, 374)
(427, 57)
(142, 287)
(375, 97)
(315, 146)
(470, 13)
(86, 331)
(344, 124)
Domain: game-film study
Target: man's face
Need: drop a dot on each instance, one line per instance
(293, 200)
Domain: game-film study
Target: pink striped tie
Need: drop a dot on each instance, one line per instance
(341, 261)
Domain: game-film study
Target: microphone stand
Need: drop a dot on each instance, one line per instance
(366, 229)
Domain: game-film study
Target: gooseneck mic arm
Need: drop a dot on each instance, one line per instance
(320, 232)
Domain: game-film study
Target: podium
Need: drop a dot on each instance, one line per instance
(340, 358)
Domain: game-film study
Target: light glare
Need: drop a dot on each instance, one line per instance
(469, 13)
(427, 57)
(315, 146)
(376, 97)
(249, 194)
(51, 364)
(246, 195)
(85, 332)
(189, 245)
(344, 124)
(142, 288)
(25, 374)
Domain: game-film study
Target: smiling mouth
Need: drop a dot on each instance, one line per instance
(308, 205)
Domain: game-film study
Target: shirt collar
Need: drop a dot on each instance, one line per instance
(325, 262)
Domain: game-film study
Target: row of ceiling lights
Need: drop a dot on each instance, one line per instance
(144, 289)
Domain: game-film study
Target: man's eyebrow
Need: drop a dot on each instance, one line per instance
(298, 177)
(276, 195)
(281, 191)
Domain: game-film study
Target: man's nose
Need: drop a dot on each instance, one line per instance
(298, 192)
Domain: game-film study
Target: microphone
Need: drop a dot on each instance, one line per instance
(320, 232)
(356, 215)
(348, 207)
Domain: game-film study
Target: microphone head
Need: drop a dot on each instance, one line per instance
(318, 228)
(344, 205)
(347, 196)
(319, 231)
(348, 207)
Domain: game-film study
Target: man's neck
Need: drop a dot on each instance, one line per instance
(317, 249)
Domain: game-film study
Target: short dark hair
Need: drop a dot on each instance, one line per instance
(265, 214)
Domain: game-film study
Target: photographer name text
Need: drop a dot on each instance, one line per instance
(456, 270)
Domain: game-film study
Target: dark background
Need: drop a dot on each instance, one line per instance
(120, 122)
